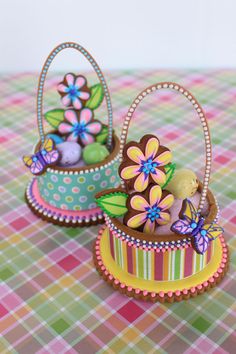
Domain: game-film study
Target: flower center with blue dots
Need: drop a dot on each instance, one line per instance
(72, 91)
(79, 129)
(148, 166)
(153, 213)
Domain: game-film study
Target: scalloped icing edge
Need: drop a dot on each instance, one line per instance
(161, 297)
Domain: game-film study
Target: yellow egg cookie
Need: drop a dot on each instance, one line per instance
(184, 184)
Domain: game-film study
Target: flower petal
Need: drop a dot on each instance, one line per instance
(65, 128)
(129, 172)
(83, 95)
(149, 226)
(71, 116)
(94, 128)
(137, 202)
(87, 138)
(164, 158)
(159, 177)
(167, 202)
(135, 154)
(70, 79)
(152, 147)
(61, 88)
(137, 220)
(163, 219)
(76, 103)
(141, 182)
(80, 81)
(86, 116)
(66, 100)
(155, 195)
(72, 137)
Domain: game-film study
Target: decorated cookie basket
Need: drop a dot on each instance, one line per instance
(79, 156)
(162, 241)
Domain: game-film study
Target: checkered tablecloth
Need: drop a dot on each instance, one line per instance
(52, 299)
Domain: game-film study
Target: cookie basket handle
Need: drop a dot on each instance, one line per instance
(43, 76)
(201, 115)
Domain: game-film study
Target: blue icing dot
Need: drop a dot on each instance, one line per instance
(203, 232)
(193, 225)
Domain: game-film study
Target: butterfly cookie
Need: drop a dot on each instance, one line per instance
(46, 156)
(191, 223)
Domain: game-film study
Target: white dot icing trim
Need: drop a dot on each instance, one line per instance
(202, 118)
(100, 76)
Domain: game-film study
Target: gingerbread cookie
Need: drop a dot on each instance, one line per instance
(47, 155)
(134, 252)
(77, 158)
(192, 224)
(144, 163)
(79, 126)
(74, 91)
(149, 209)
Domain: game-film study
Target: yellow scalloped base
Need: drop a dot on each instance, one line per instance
(153, 285)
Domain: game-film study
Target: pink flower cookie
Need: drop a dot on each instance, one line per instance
(80, 126)
(74, 91)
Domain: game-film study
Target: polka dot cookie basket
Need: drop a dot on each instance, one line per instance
(162, 241)
(79, 156)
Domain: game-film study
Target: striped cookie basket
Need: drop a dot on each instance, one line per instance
(161, 267)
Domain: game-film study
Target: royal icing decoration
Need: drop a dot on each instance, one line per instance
(79, 126)
(77, 123)
(169, 170)
(74, 91)
(148, 210)
(65, 192)
(46, 156)
(102, 136)
(191, 223)
(138, 254)
(113, 203)
(54, 117)
(144, 163)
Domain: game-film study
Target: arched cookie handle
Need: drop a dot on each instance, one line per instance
(99, 73)
(201, 115)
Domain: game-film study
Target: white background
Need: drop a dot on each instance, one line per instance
(119, 33)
